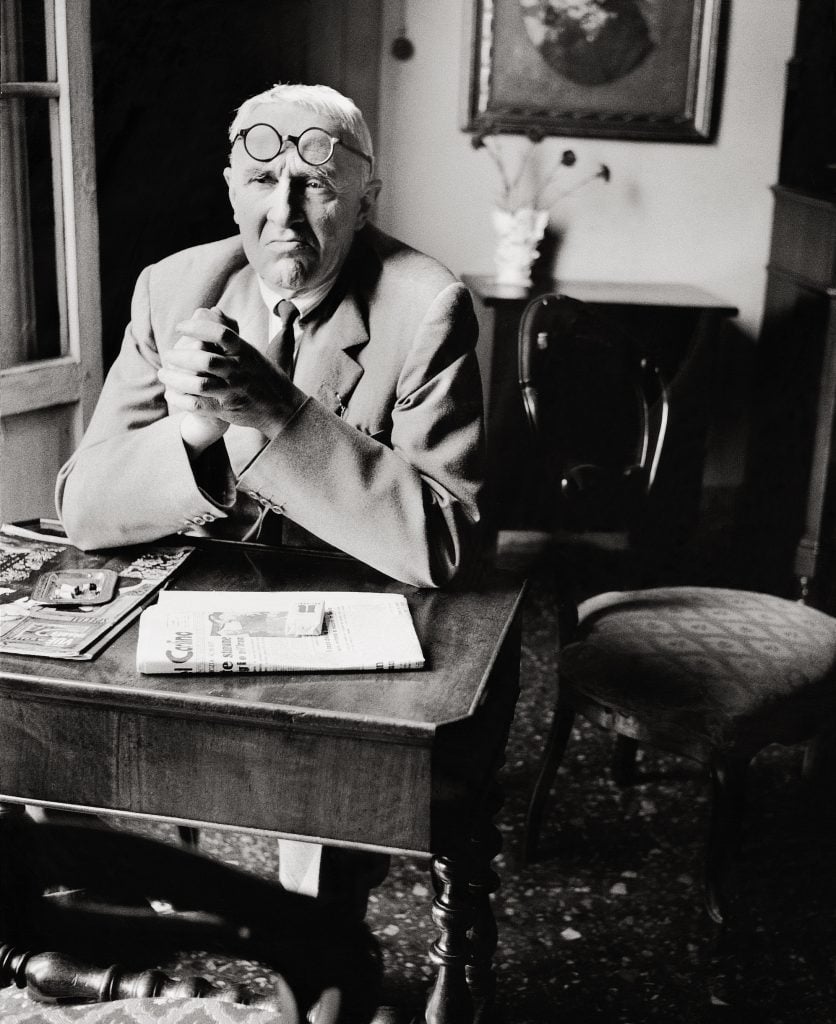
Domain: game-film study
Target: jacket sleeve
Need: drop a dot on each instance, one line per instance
(131, 481)
(410, 509)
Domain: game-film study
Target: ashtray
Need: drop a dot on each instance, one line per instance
(75, 586)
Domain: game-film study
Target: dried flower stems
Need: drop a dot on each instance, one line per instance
(510, 184)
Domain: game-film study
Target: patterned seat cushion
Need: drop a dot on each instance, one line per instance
(16, 1007)
(718, 668)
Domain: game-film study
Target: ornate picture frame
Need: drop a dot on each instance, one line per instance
(623, 69)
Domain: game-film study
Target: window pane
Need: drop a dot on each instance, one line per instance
(29, 285)
(26, 28)
(32, 29)
(42, 213)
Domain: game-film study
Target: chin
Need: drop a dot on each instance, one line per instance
(289, 273)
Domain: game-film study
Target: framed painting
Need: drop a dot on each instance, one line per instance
(626, 69)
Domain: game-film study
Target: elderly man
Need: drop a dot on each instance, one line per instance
(310, 380)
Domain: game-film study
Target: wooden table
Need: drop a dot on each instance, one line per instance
(674, 325)
(402, 762)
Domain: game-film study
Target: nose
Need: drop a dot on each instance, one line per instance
(284, 205)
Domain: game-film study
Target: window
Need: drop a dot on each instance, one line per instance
(50, 344)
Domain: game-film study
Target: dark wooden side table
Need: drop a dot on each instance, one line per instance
(401, 762)
(676, 325)
(793, 438)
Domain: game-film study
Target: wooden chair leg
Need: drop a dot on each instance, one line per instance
(13, 810)
(56, 978)
(624, 760)
(189, 836)
(728, 783)
(561, 729)
(819, 767)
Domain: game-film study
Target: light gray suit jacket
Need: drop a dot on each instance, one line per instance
(383, 459)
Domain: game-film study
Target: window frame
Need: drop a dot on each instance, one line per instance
(74, 377)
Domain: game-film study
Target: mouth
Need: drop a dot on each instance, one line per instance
(287, 245)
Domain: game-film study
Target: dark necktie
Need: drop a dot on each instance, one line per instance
(282, 344)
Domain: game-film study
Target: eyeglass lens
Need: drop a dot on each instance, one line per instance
(263, 142)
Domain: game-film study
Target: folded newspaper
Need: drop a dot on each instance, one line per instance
(293, 631)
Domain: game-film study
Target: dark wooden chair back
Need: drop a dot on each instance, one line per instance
(598, 413)
(99, 945)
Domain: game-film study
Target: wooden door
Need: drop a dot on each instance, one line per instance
(50, 345)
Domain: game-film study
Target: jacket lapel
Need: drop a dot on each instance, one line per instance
(327, 367)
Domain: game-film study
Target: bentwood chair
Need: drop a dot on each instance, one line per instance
(709, 673)
(77, 924)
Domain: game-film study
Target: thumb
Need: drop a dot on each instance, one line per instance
(216, 315)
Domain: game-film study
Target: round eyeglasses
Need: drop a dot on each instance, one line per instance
(314, 145)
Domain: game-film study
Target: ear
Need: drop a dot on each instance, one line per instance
(230, 189)
(367, 201)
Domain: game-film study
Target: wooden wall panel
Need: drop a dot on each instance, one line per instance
(33, 447)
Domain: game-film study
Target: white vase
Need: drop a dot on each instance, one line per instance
(518, 234)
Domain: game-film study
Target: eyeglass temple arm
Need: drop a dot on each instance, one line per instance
(359, 152)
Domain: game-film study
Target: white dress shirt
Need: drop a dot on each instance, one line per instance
(305, 302)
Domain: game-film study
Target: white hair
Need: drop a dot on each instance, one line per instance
(319, 99)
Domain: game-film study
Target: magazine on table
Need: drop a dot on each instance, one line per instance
(292, 631)
(59, 602)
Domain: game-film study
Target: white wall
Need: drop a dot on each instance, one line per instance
(673, 212)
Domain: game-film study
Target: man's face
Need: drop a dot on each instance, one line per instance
(297, 222)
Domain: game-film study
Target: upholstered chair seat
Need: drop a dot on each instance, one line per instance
(17, 1007)
(711, 669)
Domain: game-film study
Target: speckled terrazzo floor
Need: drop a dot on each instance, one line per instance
(608, 925)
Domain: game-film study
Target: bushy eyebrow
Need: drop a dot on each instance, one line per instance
(300, 169)
(300, 173)
(320, 173)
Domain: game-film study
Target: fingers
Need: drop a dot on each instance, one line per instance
(214, 315)
(192, 403)
(189, 382)
(211, 371)
(207, 340)
(217, 316)
(195, 356)
(210, 327)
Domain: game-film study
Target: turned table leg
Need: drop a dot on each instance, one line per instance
(450, 1000)
(484, 881)
(463, 951)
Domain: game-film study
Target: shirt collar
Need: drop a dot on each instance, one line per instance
(305, 301)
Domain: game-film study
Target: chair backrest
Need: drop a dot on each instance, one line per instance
(597, 409)
(214, 907)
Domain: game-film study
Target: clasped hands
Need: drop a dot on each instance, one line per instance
(217, 378)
